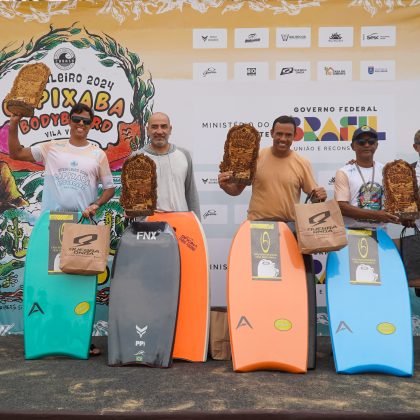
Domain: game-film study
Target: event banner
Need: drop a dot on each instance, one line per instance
(333, 65)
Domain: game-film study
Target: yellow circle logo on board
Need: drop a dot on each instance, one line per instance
(104, 276)
(282, 324)
(82, 308)
(386, 328)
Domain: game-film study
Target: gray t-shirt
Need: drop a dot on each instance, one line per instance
(176, 189)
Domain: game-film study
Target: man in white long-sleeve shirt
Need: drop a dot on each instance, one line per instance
(176, 189)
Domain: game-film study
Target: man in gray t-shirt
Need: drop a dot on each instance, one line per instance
(176, 189)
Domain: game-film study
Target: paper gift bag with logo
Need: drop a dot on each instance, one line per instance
(320, 227)
(85, 248)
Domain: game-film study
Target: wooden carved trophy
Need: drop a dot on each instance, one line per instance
(138, 186)
(241, 151)
(27, 89)
(401, 189)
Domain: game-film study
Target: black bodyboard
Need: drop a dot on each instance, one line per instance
(144, 296)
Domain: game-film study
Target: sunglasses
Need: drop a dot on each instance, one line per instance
(362, 142)
(76, 119)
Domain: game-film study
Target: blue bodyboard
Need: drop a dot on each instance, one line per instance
(59, 308)
(369, 306)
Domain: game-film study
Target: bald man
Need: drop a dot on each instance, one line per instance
(176, 189)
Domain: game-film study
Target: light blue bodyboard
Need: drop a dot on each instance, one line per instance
(370, 321)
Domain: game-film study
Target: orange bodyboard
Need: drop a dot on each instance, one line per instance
(192, 327)
(268, 308)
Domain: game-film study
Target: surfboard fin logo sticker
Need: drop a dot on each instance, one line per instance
(243, 322)
(342, 326)
(36, 308)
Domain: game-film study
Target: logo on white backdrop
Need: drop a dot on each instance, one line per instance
(64, 58)
(293, 37)
(335, 70)
(210, 72)
(341, 36)
(206, 181)
(378, 36)
(377, 70)
(214, 214)
(293, 70)
(209, 38)
(251, 38)
(251, 71)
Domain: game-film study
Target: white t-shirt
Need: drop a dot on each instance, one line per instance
(365, 194)
(72, 174)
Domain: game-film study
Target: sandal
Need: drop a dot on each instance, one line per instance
(94, 351)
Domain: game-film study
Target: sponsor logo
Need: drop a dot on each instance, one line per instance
(286, 70)
(209, 38)
(255, 70)
(377, 70)
(35, 308)
(293, 70)
(243, 322)
(375, 35)
(315, 128)
(251, 71)
(253, 38)
(85, 239)
(214, 215)
(335, 36)
(320, 218)
(331, 71)
(141, 331)
(210, 70)
(64, 58)
(293, 37)
(206, 181)
(290, 70)
(265, 242)
(188, 241)
(146, 236)
(339, 70)
(378, 36)
(210, 212)
(140, 343)
(342, 326)
(331, 181)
